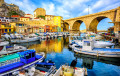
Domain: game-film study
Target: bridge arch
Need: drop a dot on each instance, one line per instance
(94, 23)
(76, 25)
(66, 27)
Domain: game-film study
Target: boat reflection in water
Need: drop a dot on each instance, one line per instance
(49, 46)
(88, 60)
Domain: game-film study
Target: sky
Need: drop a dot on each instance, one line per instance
(67, 8)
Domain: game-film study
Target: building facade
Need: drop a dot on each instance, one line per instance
(39, 11)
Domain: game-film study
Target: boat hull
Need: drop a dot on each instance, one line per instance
(98, 53)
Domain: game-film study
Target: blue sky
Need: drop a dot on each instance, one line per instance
(67, 8)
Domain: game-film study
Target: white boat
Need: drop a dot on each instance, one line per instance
(70, 71)
(88, 48)
(25, 39)
(97, 44)
(4, 50)
(4, 43)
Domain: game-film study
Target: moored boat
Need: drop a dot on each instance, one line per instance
(65, 70)
(17, 61)
(4, 50)
(88, 48)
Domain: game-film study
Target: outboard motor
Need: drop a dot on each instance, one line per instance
(73, 63)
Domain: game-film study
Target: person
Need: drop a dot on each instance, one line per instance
(73, 63)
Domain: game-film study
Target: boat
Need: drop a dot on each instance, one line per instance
(88, 48)
(4, 50)
(45, 68)
(25, 39)
(3, 43)
(66, 70)
(97, 44)
(18, 61)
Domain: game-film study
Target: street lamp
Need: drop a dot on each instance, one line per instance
(88, 9)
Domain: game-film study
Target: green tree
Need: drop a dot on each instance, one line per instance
(12, 13)
(40, 16)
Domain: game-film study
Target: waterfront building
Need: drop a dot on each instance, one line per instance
(35, 29)
(21, 27)
(39, 12)
(29, 15)
(47, 28)
(41, 29)
(16, 18)
(54, 28)
(5, 27)
(49, 17)
(58, 22)
(24, 18)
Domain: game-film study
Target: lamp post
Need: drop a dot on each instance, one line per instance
(88, 9)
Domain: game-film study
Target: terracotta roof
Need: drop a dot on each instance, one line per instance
(36, 18)
(15, 16)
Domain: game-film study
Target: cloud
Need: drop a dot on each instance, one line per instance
(66, 8)
(100, 5)
(49, 7)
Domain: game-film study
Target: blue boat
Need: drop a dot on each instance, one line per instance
(17, 61)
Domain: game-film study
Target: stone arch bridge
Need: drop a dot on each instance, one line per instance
(91, 21)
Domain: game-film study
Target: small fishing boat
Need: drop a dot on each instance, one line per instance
(88, 48)
(4, 50)
(46, 68)
(17, 61)
(65, 70)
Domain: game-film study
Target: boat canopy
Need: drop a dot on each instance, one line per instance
(26, 52)
(9, 57)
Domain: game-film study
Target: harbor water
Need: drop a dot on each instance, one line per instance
(57, 50)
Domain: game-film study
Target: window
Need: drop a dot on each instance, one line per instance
(33, 54)
(28, 56)
(86, 43)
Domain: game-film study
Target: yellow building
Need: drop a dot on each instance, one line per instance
(24, 18)
(58, 22)
(49, 17)
(7, 29)
(39, 11)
